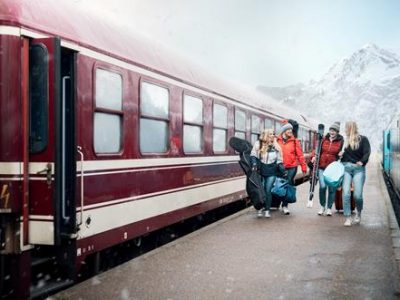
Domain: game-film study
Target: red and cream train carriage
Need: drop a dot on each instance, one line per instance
(106, 137)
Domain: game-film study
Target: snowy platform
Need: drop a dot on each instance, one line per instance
(300, 256)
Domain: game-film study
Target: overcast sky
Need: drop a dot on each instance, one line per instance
(264, 42)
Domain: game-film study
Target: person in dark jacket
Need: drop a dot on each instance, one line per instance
(267, 151)
(355, 157)
(331, 146)
(292, 156)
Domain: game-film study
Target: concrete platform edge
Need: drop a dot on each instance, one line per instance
(393, 225)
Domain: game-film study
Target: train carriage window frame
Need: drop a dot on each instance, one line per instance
(193, 126)
(220, 129)
(240, 132)
(108, 114)
(151, 121)
(253, 128)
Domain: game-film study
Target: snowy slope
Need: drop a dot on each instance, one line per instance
(364, 87)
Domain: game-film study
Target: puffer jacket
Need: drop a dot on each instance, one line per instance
(292, 153)
(329, 151)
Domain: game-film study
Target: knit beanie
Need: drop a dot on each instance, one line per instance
(335, 126)
(286, 127)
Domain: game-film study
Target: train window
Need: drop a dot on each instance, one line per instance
(193, 124)
(240, 124)
(38, 86)
(154, 119)
(107, 133)
(268, 123)
(108, 113)
(108, 90)
(255, 128)
(220, 131)
(302, 138)
(278, 126)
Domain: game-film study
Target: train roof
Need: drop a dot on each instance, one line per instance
(90, 28)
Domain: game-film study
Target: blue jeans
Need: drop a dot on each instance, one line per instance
(322, 191)
(268, 184)
(291, 174)
(355, 174)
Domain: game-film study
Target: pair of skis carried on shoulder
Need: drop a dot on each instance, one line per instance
(314, 171)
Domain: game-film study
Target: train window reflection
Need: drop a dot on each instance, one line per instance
(255, 128)
(220, 120)
(278, 127)
(240, 134)
(153, 136)
(193, 109)
(108, 89)
(108, 112)
(240, 120)
(219, 140)
(255, 124)
(193, 124)
(107, 133)
(154, 100)
(38, 87)
(193, 139)
(154, 120)
(268, 124)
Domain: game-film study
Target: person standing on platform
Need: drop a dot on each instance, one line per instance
(332, 144)
(292, 156)
(266, 155)
(355, 158)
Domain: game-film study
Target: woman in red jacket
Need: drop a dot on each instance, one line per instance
(292, 156)
(331, 146)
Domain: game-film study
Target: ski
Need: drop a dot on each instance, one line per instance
(314, 172)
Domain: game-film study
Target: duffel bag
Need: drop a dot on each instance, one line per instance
(290, 194)
(280, 187)
(333, 174)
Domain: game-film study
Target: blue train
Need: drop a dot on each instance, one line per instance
(391, 153)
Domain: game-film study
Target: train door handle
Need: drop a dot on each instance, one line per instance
(47, 170)
(79, 150)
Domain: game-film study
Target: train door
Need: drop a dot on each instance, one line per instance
(52, 162)
(386, 151)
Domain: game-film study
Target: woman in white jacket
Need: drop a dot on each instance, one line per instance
(266, 157)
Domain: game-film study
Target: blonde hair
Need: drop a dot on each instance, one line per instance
(265, 140)
(353, 138)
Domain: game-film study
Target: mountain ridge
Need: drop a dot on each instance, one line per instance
(363, 87)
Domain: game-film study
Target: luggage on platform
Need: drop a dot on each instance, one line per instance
(339, 200)
(255, 190)
(333, 174)
(254, 186)
(276, 201)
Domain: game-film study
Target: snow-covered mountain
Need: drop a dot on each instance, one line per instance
(364, 87)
